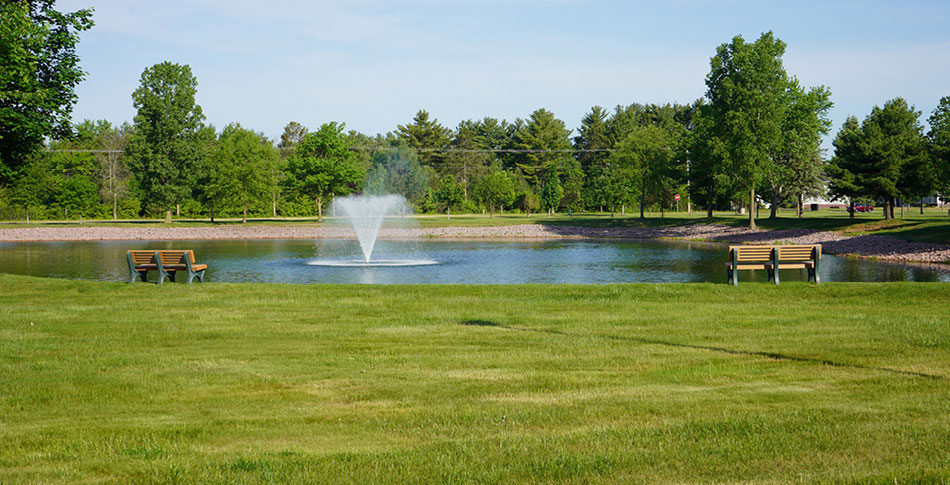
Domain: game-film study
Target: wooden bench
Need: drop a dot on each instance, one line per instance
(772, 259)
(166, 262)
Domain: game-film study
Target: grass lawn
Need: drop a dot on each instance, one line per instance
(108, 382)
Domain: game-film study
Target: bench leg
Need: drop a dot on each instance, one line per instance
(196, 274)
(166, 274)
(732, 277)
(137, 274)
(774, 274)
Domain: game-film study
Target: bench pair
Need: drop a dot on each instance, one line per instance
(166, 262)
(772, 259)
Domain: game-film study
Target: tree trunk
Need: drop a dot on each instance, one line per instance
(275, 204)
(921, 206)
(887, 213)
(774, 207)
(212, 210)
(752, 208)
(851, 207)
(27, 216)
(448, 213)
(642, 203)
(168, 216)
(244, 218)
(80, 216)
(177, 210)
(115, 204)
(491, 211)
(320, 208)
(623, 209)
(801, 205)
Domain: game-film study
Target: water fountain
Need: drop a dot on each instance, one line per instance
(366, 214)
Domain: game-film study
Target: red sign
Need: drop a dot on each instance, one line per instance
(676, 197)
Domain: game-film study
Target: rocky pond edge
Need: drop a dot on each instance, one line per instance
(868, 246)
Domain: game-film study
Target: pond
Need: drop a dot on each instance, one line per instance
(459, 261)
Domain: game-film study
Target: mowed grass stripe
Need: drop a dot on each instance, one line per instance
(421, 384)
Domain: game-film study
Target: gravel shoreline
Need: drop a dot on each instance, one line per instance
(879, 247)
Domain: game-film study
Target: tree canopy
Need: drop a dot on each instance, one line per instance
(746, 89)
(163, 150)
(39, 71)
(323, 166)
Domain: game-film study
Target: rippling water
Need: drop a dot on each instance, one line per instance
(479, 262)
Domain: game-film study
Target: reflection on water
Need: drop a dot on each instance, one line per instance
(480, 262)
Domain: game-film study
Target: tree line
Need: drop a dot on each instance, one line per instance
(754, 137)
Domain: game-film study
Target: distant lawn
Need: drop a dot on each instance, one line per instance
(932, 226)
(244, 383)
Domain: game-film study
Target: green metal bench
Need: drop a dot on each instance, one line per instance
(166, 262)
(773, 259)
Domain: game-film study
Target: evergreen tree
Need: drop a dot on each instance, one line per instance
(425, 135)
(938, 139)
(542, 132)
(592, 135)
(844, 170)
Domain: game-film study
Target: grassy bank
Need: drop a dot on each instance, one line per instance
(932, 226)
(433, 384)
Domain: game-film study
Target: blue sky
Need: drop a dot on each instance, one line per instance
(373, 63)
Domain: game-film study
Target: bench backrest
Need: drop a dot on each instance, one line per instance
(167, 256)
(750, 253)
(799, 252)
(176, 257)
(141, 257)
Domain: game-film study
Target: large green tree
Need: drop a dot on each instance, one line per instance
(795, 167)
(242, 164)
(646, 156)
(496, 190)
(746, 88)
(323, 166)
(399, 171)
(164, 150)
(39, 71)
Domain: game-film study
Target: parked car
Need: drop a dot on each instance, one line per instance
(862, 208)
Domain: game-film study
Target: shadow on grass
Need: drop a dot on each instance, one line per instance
(711, 348)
